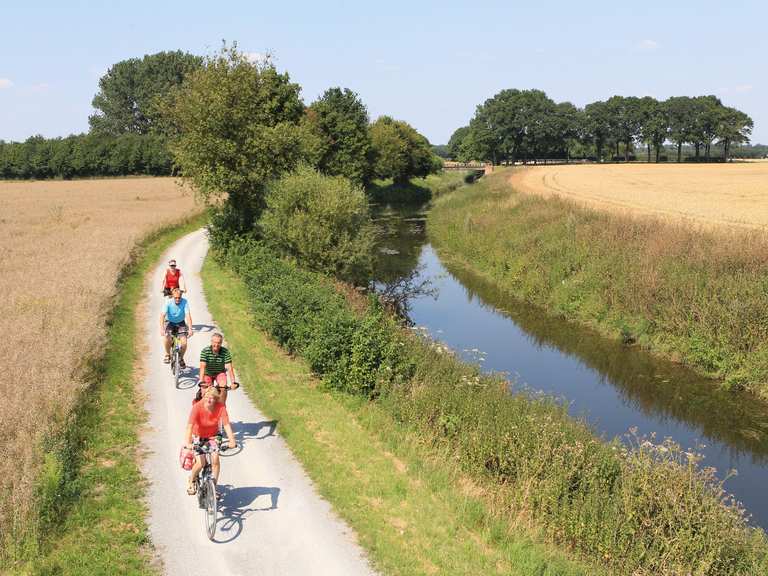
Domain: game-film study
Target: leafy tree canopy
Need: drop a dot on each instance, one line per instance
(400, 152)
(235, 126)
(130, 92)
(339, 120)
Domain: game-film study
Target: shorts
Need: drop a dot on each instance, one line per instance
(180, 329)
(167, 292)
(221, 379)
(212, 443)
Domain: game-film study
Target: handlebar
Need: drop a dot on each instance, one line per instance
(218, 387)
(206, 447)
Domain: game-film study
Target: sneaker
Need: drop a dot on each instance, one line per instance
(167, 359)
(182, 364)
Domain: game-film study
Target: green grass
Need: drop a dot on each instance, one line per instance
(410, 505)
(101, 527)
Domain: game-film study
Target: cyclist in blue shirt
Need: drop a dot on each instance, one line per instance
(175, 319)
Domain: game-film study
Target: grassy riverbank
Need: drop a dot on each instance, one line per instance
(540, 471)
(91, 489)
(696, 296)
(412, 507)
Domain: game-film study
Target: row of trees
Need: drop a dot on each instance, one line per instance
(85, 155)
(524, 124)
(136, 113)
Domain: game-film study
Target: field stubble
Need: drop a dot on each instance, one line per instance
(712, 194)
(64, 245)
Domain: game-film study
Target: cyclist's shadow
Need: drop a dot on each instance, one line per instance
(235, 505)
(254, 430)
(188, 378)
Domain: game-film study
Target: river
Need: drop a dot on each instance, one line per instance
(612, 386)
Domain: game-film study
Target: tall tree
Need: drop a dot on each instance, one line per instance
(654, 126)
(597, 126)
(625, 118)
(707, 111)
(565, 128)
(512, 124)
(399, 151)
(130, 92)
(340, 121)
(455, 142)
(733, 126)
(680, 111)
(236, 128)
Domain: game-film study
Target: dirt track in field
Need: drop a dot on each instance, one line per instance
(711, 194)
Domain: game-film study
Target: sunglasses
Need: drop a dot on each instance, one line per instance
(172, 265)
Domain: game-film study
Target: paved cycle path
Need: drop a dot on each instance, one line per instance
(272, 519)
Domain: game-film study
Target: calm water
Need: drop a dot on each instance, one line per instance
(612, 386)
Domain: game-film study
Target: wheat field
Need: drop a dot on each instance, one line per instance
(62, 246)
(717, 195)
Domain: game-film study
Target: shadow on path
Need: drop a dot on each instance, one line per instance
(236, 504)
(254, 430)
(188, 378)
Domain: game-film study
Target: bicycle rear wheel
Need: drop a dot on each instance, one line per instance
(211, 506)
(175, 366)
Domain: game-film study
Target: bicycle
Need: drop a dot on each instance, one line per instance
(175, 358)
(207, 498)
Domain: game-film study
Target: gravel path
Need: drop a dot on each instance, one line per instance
(273, 520)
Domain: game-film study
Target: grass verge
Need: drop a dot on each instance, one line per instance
(410, 505)
(95, 513)
(696, 296)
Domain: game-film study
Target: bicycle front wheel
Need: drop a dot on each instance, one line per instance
(175, 366)
(211, 505)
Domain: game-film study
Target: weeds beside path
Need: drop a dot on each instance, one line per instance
(103, 530)
(411, 508)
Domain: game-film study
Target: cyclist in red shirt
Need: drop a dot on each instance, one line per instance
(203, 424)
(173, 279)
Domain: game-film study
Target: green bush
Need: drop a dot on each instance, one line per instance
(322, 222)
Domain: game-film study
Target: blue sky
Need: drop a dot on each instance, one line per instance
(429, 63)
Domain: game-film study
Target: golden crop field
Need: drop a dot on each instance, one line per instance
(733, 194)
(62, 246)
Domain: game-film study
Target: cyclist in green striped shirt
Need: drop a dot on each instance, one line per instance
(215, 364)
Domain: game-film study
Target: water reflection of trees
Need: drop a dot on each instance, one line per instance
(401, 239)
(652, 385)
(397, 275)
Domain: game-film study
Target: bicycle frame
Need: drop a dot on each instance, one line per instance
(175, 357)
(206, 491)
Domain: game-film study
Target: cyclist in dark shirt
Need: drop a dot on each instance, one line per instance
(215, 364)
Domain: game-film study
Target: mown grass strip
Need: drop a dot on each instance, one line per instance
(103, 530)
(410, 506)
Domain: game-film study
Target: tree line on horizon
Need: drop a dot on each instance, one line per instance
(521, 125)
(131, 131)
